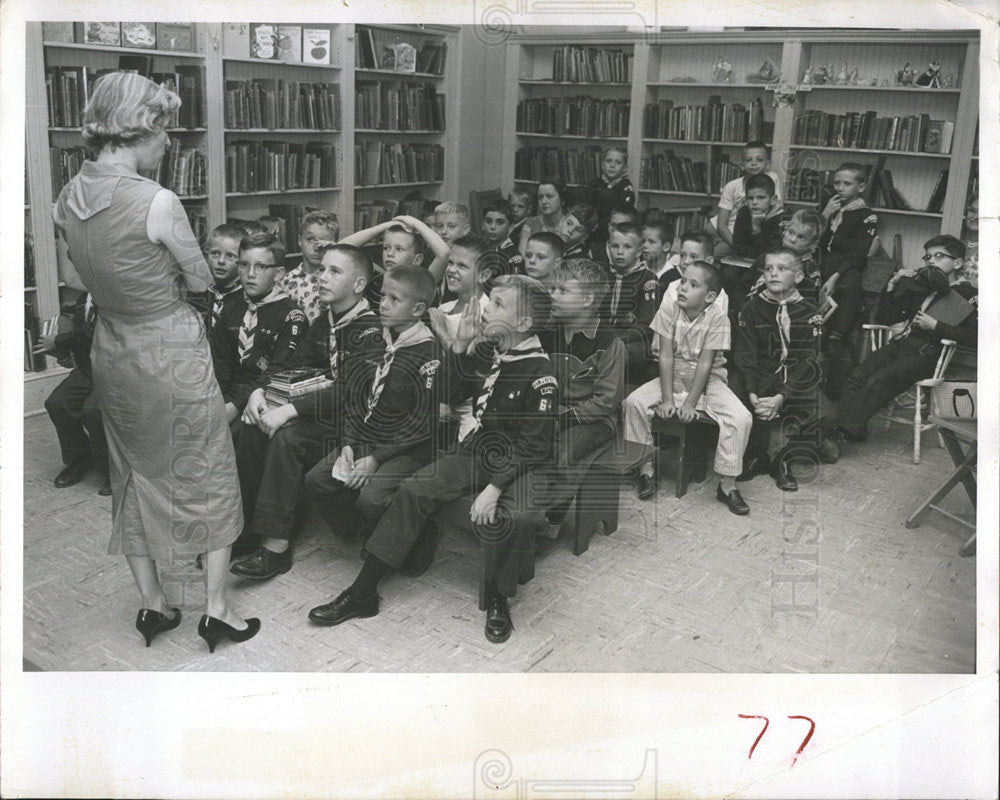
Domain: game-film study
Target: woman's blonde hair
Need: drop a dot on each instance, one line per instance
(125, 109)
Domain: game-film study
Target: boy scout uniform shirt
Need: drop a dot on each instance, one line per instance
(281, 325)
(359, 350)
(404, 417)
(748, 244)
(638, 297)
(847, 239)
(757, 350)
(516, 429)
(590, 369)
(206, 303)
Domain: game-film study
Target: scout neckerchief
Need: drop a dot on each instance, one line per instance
(248, 328)
(784, 325)
(616, 294)
(857, 202)
(529, 348)
(415, 334)
(218, 298)
(349, 316)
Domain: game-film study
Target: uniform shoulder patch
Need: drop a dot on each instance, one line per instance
(295, 315)
(547, 380)
(650, 285)
(430, 367)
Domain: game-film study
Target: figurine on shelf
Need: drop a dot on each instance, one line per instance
(904, 76)
(949, 81)
(725, 71)
(766, 74)
(874, 82)
(842, 75)
(855, 79)
(931, 77)
(717, 70)
(807, 79)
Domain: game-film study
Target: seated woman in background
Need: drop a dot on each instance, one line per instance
(550, 197)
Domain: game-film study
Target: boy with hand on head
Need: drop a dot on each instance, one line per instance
(390, 423)
(755, 161)
(277, 446)
(302, 283)
(222, 251)
(932, 303)
(257, 334)
(851, 228)
(541, 257)
(632, 299)
(589, 363)
(777, 372)
(574, 229)
(498, 360)
(692, 334)
(612, 188)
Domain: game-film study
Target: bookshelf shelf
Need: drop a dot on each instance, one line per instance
(267, 62)
(907, 153)
(271, 192)
(572, 136)
(901, 212)
(273, 131)
(764, 87)
(530, 181)
(392, 74)
(370, 186)
(135, 51)
(543, 82)
(698, 142)
(31, 289)
(826, 87)
(377, 131)
(705, 195)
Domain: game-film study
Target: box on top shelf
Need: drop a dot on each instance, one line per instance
(106, 33)
(317, 44)
(139, 34)
(177, 36)
(263, 40)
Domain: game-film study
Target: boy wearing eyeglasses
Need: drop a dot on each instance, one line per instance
(925, 305)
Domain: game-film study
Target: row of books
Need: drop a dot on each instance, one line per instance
(279, 103)
(572, 63)
(375, 51)
(378, 211)
(811, 185)
(377, 162)
(407, 106)
(712, 122)
(68, 88)
(573, 116)
(668, 172)
(868, 131)
(269, 166)
(570, 166)
(283, 220)
(182, 169)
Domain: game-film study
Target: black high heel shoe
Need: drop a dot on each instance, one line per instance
(212, 630)
(149, 622)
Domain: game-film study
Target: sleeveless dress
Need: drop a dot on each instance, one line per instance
(174, 485)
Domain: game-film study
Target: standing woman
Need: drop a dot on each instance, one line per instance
(174, 487)
(549, 201)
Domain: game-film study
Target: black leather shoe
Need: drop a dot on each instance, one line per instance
(756, 465)
(343, 608)
(421, 555)
(498, 623)
(262, 564)
(829, 451)
(734, 500)
(105, 490)
(783, 477)
(647, 485)
(72, 474)
(149, 622)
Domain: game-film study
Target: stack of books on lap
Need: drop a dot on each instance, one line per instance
(288, 384)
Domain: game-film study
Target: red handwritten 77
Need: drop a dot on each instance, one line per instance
(805, 741)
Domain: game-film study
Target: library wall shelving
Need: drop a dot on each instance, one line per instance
(697, 97)
(332, 126)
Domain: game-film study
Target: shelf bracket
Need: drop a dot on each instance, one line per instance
(784, 93)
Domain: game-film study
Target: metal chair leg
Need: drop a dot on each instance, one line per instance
(917, 424)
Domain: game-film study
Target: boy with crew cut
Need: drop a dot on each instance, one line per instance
(541, 257)
(657, 243)
(632, 299)
(390, 424)
(693, 333)
(695, 246)
(574, 228)
(497, 221)
(257, 334)
(521, 204)
(622, 214)
(755, 161)
(589, 363)
(302, 283)
(777, 374)
(277, 446)
(451, 220)
(801, 235)
(498, 360)
(222, 251)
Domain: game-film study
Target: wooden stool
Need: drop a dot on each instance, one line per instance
(691, 463)
(598, 495)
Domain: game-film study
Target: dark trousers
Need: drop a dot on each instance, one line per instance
(850, 299)
(74, 412)
(889, 371)
(271, 472)
(798, 417)
(576, 449)
(351, 513)
(448, 478)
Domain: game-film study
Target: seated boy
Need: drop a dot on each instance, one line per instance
(623, 214)
(777, 369)
(850, 232)
(390, 427)
(510, 377)
(451, 220)
(657, 242)
(302, 283)
(521, 206)
(574, 229)
(946, 311)
(72, 406)
(695, 246)
(611, 189)
(277, 446)
(755, 161)
(692, 333)
(757, 229)
(800, 234)
(256, 336)
(497, 222)
(541, 256)
(589, 363)
(222, 251)
(632, 300)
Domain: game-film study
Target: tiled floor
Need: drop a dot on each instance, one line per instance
(823, 580)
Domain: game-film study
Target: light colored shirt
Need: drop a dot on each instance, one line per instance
(689, 338)
(303, 288)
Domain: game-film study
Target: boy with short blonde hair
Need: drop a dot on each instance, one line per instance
(451, 220)
(302, 283)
